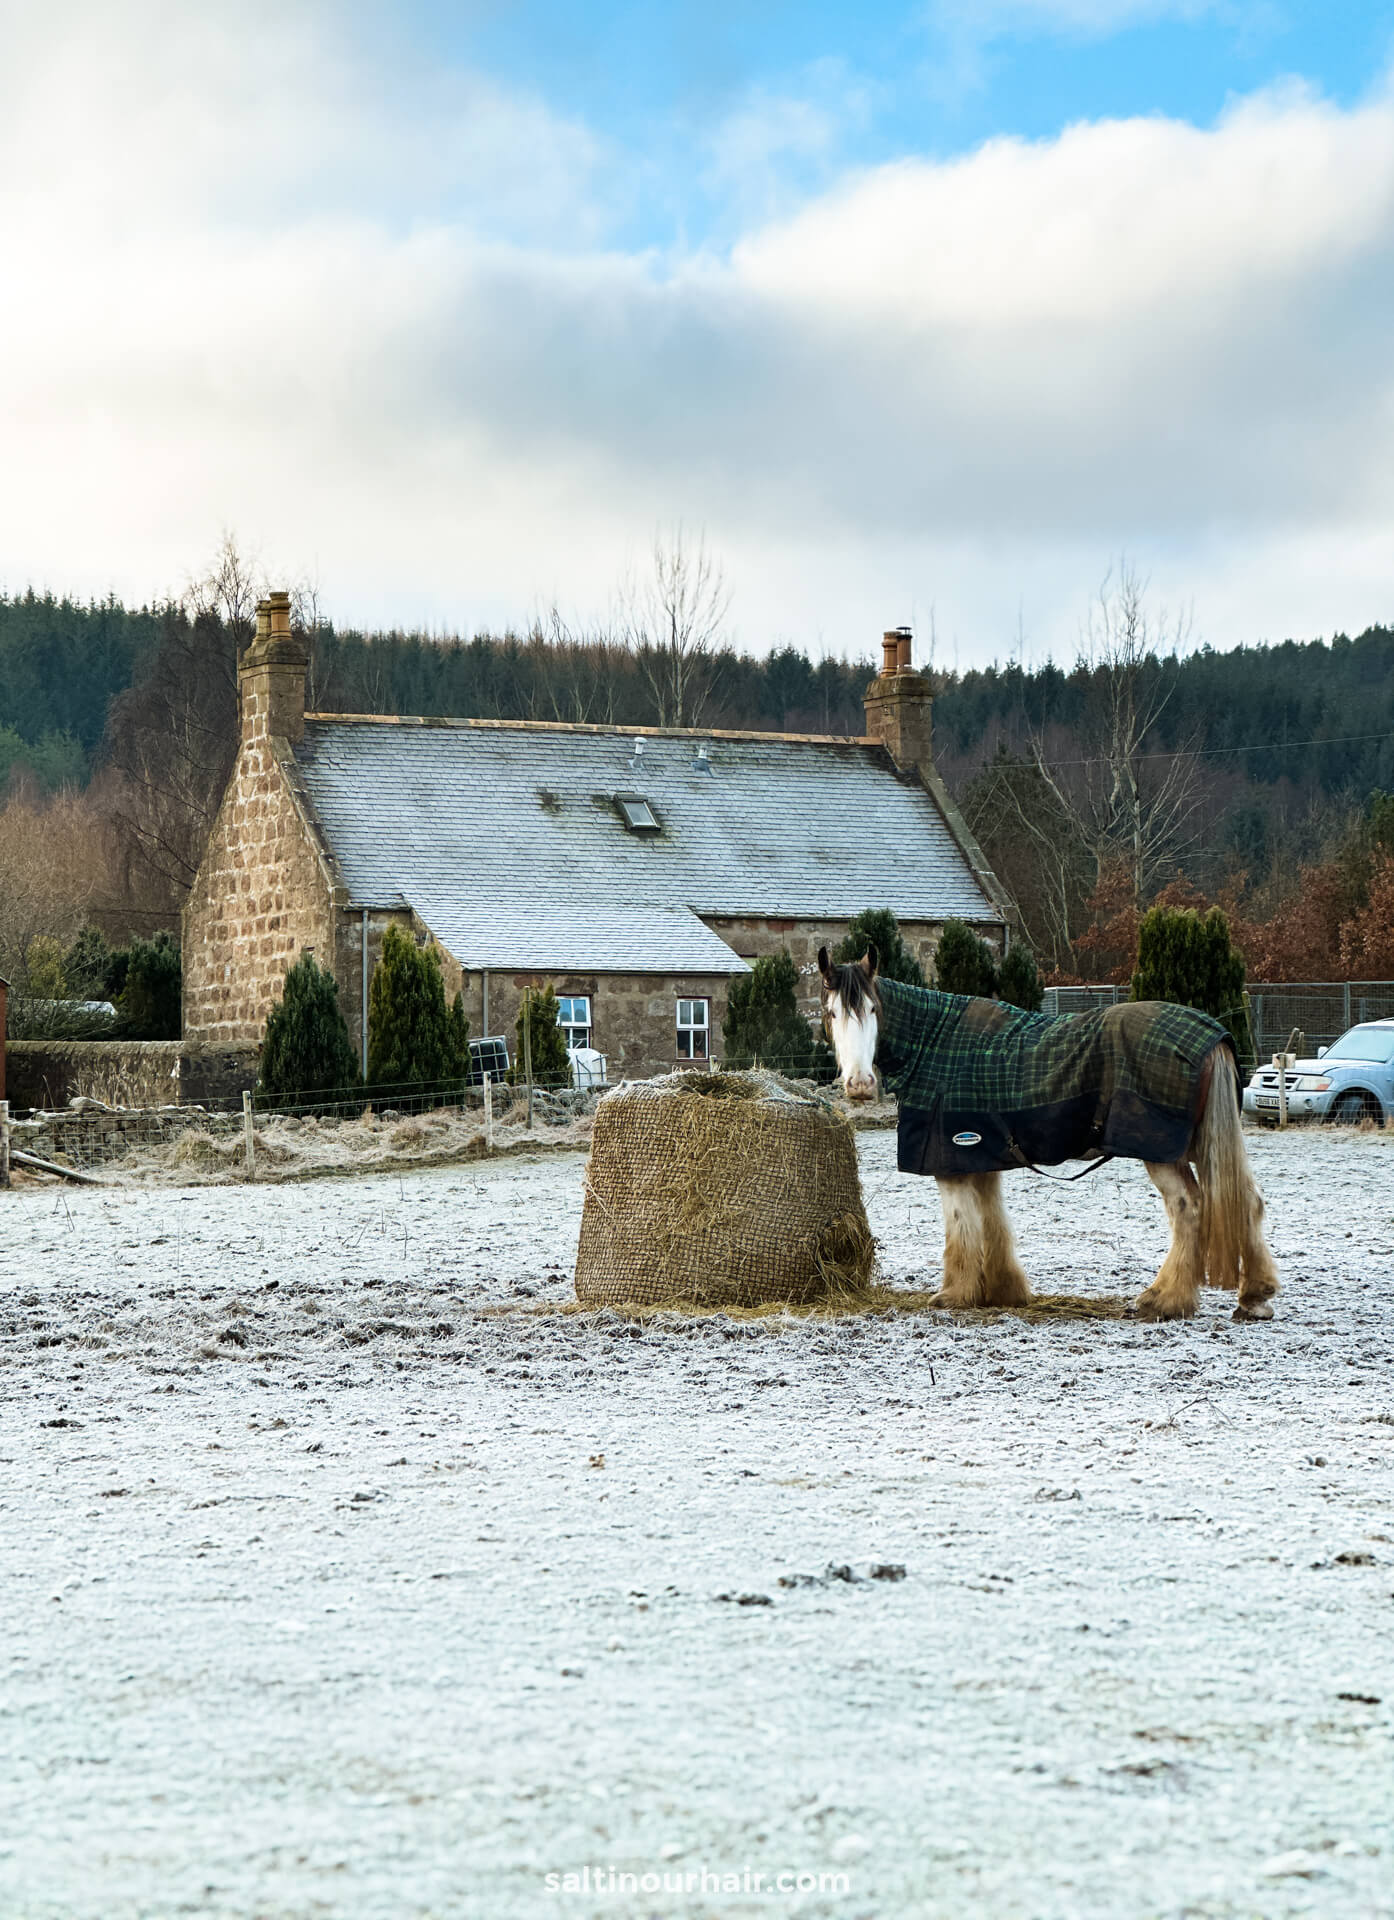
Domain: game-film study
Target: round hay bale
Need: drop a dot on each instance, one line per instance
(720, 1190)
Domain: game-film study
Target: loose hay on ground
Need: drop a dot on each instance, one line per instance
(872, 1301)
(721, 1191)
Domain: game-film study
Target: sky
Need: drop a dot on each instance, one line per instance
(925, 314)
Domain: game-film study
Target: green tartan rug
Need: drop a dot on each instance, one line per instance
(983, 1086)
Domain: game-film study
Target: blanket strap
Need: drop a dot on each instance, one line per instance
(1064, 1179)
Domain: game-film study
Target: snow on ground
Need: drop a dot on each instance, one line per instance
(328, 1592)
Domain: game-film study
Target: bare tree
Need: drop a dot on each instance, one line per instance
(574, 675)
(173, 736)
(307, 617)
(229, 590)
(1133, 803)
(676, 622)
(1033, 841)
(56, 866)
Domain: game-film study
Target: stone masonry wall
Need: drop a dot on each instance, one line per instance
(752, 938)
(123, 1073)
(633, 1016)
(260, 900)
(348, 964)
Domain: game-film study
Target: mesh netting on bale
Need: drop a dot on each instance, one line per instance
(720, 1190)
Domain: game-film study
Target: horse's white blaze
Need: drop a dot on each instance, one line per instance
(854, 1043)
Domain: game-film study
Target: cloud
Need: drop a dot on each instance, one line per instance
(985, 20)
(373, 318)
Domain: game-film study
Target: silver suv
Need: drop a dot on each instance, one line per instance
(1352, 1079)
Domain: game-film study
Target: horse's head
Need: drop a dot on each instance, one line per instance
(851, 1020)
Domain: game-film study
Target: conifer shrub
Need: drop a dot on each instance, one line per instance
(149, 1004)
(763, 1024)
(307, 1055)
(414, 1040)
(964, 963)
(43, 968)
(878, 927)
(1018, 982)
(1188, 958)
(538, 1015)
(92, 969)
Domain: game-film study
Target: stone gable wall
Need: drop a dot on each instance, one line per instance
(260, 900)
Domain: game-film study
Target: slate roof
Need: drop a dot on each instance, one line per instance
(507, 841)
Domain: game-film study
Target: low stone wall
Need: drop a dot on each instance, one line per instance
(93, 1140)
(122, 1073)
(125, 1073)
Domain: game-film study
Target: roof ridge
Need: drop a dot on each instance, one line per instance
(592, 728)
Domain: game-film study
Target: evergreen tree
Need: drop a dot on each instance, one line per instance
(963, 963)
(878, 927)
(1379, 814)
(1018, 982)
(413, 1038)
(763, 1022)
(43, 966)
(91, 968)
(307, 1051)
(1188, 958)
(459, 1037)
(149, 1003)
(551, 1065)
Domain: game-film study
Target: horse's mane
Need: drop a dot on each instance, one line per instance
(856, 989)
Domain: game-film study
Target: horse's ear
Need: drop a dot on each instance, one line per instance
(825, 965)
(869, 960)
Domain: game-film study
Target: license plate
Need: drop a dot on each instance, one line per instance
(1265, 1099)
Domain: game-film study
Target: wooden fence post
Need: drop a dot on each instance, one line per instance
(488, 1113)
(248, 1137)
(1282, 1061)
(4, 1143)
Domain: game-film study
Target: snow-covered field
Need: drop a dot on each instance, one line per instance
(331, 1589)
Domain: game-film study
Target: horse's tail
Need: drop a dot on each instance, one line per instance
(1231, 1206)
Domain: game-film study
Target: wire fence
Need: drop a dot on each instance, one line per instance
(323, 1129)
(1320, 1010)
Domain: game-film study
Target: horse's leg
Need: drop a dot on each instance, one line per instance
(1233, 1249)
(1004, 1283)
(964, 1282)
(1176, 1290)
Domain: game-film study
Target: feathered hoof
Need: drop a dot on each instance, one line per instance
(1148, 1306)
(1256, 1310)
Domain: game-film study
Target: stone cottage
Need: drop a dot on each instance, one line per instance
(635, 869)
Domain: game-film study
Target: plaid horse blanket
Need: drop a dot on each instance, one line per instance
(983, 1087)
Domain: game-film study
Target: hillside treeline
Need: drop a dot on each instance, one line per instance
(67, 669)
(1137, 773)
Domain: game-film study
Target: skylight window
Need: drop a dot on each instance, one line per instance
(637, 814)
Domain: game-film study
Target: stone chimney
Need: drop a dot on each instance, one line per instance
(271, 676)
(899, 704)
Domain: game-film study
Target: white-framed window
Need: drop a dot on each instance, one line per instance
(574, 1018)
(694, 1029)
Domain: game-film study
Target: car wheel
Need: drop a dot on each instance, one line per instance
(1351, 1108)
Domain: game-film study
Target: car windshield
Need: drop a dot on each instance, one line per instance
(1363, 1043)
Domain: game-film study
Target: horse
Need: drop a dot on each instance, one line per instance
(983, 1087)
